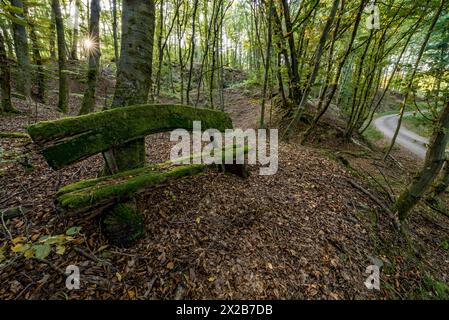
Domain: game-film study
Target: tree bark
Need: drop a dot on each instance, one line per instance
(88, 104)
(443, 183)
(74, 49)
(434, 161)
(134, 71)
(192, 51)
(114, 30)
(412, 77)
(267, 66)
(337, 76)
(40, 72)
(22, 54)
(63, 101)
(311, 81)
(5, 76)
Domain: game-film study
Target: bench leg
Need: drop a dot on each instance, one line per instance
(240, 170)
(123, 224)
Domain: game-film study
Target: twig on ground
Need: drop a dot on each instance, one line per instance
(395, 220)
(5, 227)
(150, 287)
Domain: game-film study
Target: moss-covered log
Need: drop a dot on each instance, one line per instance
(97, 192)
(94, 193)
(14, 135)
(69, 140)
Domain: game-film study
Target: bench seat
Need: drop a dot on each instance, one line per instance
(88, 194)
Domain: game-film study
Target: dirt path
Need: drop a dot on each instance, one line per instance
(406, 138)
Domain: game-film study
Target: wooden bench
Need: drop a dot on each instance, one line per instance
(69, 140)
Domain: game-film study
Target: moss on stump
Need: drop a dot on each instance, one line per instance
(123, 224)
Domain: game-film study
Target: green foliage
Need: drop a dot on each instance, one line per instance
(419, 124)
(434, 289)
(372, 134)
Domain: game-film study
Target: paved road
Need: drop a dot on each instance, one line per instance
(406, 138)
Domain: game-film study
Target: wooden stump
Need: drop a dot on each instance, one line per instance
(240, 170)
(123, 224)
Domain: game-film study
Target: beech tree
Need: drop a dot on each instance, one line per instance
(134, 71)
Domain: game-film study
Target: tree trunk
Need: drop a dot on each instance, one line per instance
(412, 77)
(334, 86)
(5, 78)
(40, 72)
(114, 30)
(88, 104)
(311, 81)
(443, 183)
(74, 49)
(52, 36)
(192, 51)
(63, 101)
(267, 66)
(134, 72)
(434, 161)
(22, 54)
(295, 81)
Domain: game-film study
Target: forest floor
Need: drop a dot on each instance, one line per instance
(308, 232)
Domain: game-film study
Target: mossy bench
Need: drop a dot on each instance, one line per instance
(70, 140)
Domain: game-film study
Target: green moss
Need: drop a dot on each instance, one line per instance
(122, 188)
(123, 225)
(434, 289)
(76, 138)
(124, 185)
(14, 135)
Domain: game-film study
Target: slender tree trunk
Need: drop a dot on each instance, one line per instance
(75, 32)
(434, 161)
(390, 79)
(22, 54)
(40, 71)
(267, 66)
(192, 51)
(134, 72)
(52, 36)
(334, 86)
(5, 78)
(114, 30)
(88, 104)
(311, 81)
(63, 102)
(443, 183)
(295, 81)
(412, 77)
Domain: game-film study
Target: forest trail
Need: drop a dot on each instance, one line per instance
(406, 138)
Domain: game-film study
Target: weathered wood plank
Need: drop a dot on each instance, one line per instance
(69, 140)
(97, 192)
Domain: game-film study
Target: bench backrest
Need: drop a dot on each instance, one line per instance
(69, 140)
